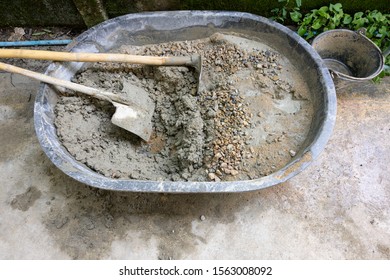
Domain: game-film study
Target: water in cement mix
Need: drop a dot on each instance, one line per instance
(251, 119)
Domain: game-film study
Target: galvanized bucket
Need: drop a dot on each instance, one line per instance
(349, 55)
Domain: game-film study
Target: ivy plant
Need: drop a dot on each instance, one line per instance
(322, 19)
(282, 13)
(376, 24)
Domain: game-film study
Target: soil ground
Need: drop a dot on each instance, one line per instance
(337, 208)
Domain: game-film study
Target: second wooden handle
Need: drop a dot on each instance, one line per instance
(104, 95)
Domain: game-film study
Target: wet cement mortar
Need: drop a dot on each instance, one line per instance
(249, 118)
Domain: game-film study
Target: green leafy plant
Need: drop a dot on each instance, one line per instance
(322, 19)
(375, 23)
(377, 26)
(281, 14)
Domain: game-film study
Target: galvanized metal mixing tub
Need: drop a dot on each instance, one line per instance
(158, 27)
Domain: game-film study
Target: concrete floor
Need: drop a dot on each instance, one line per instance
(338, 208)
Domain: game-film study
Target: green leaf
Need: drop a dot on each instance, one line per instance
(284, 13)
(335, 21)
(324, 12)
(296, 16)
(324, 9)
(310, 34)
(358, 15)
(302, 30)
(370, 17)
(298, 3)
(307, 19)
(338, 16)
(371, 30)
(383, 30)
(338, 7)
(379, 17)
(317, 24)
(347, 19)
(332, 26)
(359, 21)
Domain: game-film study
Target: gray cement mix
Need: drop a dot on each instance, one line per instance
(250, 119)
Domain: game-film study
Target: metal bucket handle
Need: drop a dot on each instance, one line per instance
(362, 31)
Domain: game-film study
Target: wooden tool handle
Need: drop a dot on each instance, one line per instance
(97, 57)
(104, 95)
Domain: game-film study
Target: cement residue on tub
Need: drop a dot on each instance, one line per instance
(250, 120)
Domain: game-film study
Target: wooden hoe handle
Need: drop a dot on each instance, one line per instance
(97, 57)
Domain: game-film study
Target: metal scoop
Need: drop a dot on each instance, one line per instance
(133, 112)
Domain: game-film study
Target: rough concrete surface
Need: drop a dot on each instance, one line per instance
(338, 208)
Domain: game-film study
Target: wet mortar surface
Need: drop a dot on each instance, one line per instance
(338, 208)
(249, 118)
